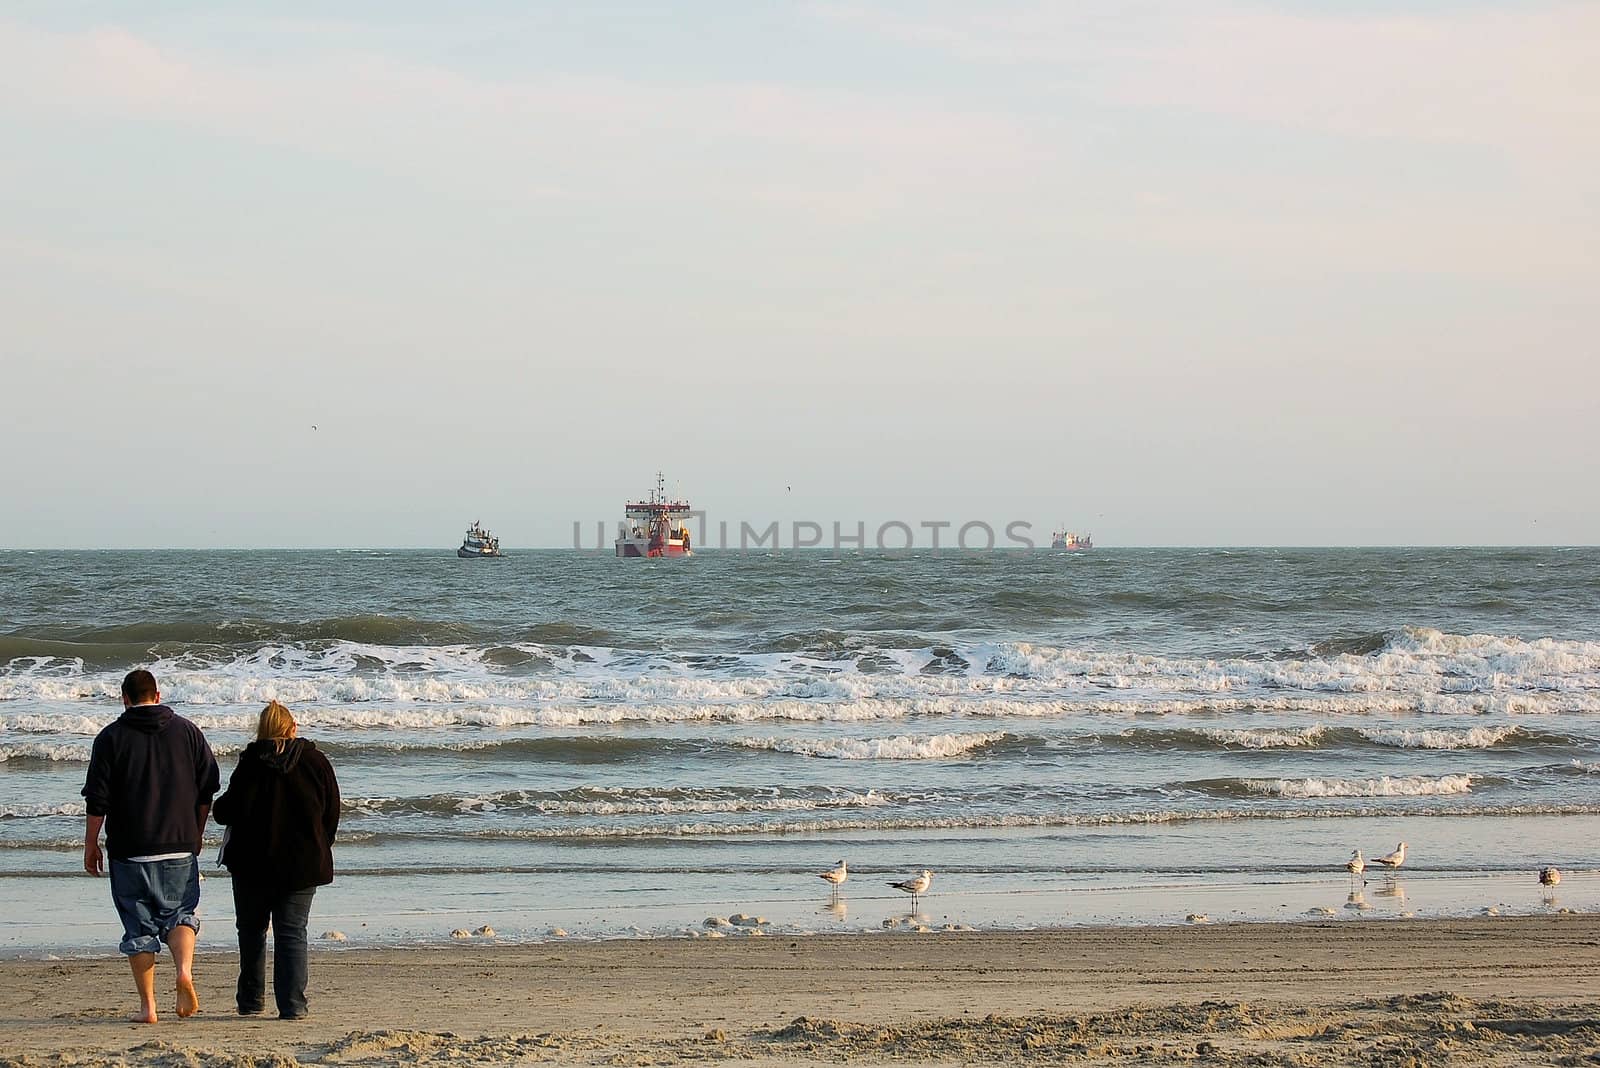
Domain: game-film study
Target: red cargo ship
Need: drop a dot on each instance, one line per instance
(655, 527)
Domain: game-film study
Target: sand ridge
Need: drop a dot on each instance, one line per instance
(1426, 1029)
(1491, 992)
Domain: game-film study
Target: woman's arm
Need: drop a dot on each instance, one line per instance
(231, 805)
(331, 801)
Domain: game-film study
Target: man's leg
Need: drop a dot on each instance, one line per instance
(144, 981)
(180, 883)
(181, 941)
(132, 894)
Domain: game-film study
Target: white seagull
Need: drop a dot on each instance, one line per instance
(1392, 860)
(835, 877)
(1355, 866)
(916, 886)
(1549, 876)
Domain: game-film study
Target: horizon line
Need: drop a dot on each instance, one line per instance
(764, 551)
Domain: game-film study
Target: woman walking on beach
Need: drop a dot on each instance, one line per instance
(282, 812)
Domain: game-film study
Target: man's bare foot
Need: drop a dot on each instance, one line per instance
(188, 1003)
(145, 1016)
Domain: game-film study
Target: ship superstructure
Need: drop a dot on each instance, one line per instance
(478, 543)
(655, 527)
(1071, 541)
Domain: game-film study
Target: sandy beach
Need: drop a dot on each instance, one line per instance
(1511, 990)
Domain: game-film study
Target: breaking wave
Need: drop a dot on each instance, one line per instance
(1265, 737)
(62, 754)
(985, 822)
(37, 811)
(1329, 738)
(557, 733)
(591, 801)
(1381, 786)
(645, 831)
(1415, 669)
(1472, 738)
(447, 711)
(903, 747)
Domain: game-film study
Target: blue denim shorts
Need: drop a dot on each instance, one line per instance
(153, 897)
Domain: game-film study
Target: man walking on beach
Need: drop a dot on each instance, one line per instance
(150, 784)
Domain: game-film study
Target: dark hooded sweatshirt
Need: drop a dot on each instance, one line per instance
(150, 773)
(282, 812)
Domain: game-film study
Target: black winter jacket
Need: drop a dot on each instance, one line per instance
(282, 812)
(150, 774)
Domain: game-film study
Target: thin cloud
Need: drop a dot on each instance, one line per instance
(582, 136)
(1522, 78)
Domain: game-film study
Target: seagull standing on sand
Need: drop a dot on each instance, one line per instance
(1549, 876)
(916, 886)
(1392, 860)
(1355, 866)
(835, 877)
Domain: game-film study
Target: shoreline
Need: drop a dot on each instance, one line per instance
(1507, 990)
(69, 917)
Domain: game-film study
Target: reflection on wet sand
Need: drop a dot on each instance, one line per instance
(1392, 889)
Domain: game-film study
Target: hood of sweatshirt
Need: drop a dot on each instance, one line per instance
(284, 762)
(151, 719)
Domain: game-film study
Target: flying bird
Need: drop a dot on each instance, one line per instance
(915, 886)
(1392, 860)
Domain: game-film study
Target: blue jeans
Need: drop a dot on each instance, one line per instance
(289, 911)
(153, 897)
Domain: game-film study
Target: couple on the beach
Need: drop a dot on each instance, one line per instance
(150, 784)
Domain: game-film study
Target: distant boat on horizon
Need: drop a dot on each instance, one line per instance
(478, 543)
(654, 527)
(1071, 541)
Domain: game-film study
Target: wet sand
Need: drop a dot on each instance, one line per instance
(1496, 991)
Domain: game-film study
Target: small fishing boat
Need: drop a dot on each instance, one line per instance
(478, 543)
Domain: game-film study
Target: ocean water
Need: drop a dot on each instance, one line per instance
(556, 739)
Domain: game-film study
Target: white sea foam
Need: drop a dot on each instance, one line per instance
(417, 714)
(1417, 670)
(39, 751)
(620, 806)
(356, 835)
(1266, 737)
(912, 823)
(1472, 738)
(68, 808)
(55, 723)
(1382, 786)
(903, 747)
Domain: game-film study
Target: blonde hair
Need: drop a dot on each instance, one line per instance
(276, 725)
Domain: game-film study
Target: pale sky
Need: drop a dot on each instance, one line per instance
(1176, 271)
